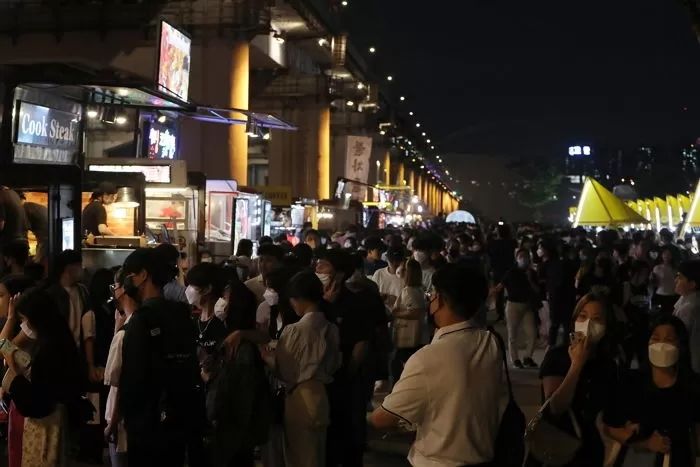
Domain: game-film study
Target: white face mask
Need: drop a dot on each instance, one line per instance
(207, 260)
(271, 297)
(193, 296)
(347, 245)
(420, 256)
(591, 329)
(540, 253)
(29, 332)
(653, 255)
(324, 278)
(220, 308)
(663, 355)
(523, 263)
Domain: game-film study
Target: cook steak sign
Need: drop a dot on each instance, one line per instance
(42, 126)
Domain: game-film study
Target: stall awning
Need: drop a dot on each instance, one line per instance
(692, 219)
(133, 94)
(598, 207)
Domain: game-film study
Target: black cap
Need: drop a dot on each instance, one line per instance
(395, 254)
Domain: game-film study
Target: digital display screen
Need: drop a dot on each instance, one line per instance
(67, 234)
(174, 61)
(153, 173)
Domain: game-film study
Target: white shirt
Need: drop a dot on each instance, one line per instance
(257, 286)
(308, 350)
(263, 314)
(113, 371)
(454, 391)
(388, 283)
(686, 307)
(667, 279)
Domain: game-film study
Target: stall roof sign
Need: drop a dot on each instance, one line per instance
(45, 135)
(278, 195)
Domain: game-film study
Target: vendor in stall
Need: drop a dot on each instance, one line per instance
(13, 223)
(95, 214)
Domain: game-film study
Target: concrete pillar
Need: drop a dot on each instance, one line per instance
(324, 154)
(418, 187)
(387, 168)
(238, 140)
(411, 179)
(400, 173)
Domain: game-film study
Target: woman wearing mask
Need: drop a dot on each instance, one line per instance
(409, 312)
(664, 277)
(115, 432)
(520, 284)
(578, 380)
(51, 395)
(306, 358)
(657, 409)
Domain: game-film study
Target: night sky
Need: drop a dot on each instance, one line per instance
(529, 78)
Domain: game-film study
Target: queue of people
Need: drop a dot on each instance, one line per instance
(279, 358)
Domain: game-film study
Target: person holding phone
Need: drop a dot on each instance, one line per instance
(579, 379)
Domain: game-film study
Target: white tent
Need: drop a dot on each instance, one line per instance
(461, 216)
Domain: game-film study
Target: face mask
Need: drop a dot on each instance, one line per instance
(193, 296)
(29, 332)
(271, 297)
(591, 329)
(523, 263)
(220, 308)
(130, 288)
(347, 245)
(540, 253)
(430, 315)
(653, 255)
(663, 355)
(207, 260)
(583, 257)
(324, 278)
(420, 256)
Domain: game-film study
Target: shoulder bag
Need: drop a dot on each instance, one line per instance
(549, 444)
(509, 449)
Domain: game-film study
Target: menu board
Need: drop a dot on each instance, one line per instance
(152, 173)
(174, 61)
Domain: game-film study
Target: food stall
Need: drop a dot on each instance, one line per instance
(231, 215)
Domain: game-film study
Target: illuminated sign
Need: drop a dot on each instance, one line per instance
(579, 150)
(174, 61)
(161, 142)
(153, 173)
(45, 135)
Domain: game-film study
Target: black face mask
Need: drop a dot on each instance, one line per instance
(431, 316)
(131, 289)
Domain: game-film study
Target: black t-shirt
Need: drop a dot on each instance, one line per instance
(594, 393)
(210, 334)
(354, 320)
(12, 213)
(518, 286)
(671, 411)
(159, 366)
(94, 214)
(502, 255)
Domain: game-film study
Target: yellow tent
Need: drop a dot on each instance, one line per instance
(642, 209)
(651, 211)
(661, 212)
(674, 213)
(684, 203)
(692, 218)
(599, 207)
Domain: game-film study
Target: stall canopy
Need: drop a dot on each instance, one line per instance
(661, 212)
(692, 219)
(598, 207)
(674, 213)
(461, 216)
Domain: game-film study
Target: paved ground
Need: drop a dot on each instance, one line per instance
(391, 449)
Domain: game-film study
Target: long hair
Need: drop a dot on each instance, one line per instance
(242, 304)
(609, 344)
(413, 273)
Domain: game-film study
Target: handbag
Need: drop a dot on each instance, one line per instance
(509, 449)
(549, 444)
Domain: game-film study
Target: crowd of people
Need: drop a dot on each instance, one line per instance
(277, 357)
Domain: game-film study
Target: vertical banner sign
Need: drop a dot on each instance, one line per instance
(359, 150)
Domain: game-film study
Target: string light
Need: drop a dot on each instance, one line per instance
(402, 98)
(372, 50)
(389, 78)
(417, 125)
(411, 114)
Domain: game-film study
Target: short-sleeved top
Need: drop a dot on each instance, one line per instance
(388, 283)
(594, 393)
(518, 286)
(667, 280)
(12, 213)
(94, 215)
(671, 411)
(454, 391)
(355, 323)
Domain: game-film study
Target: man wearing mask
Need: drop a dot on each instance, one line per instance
(270, 258)
(349, 391)
(160, 373)
(388, 279)
(453, 389)
(95, 214)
